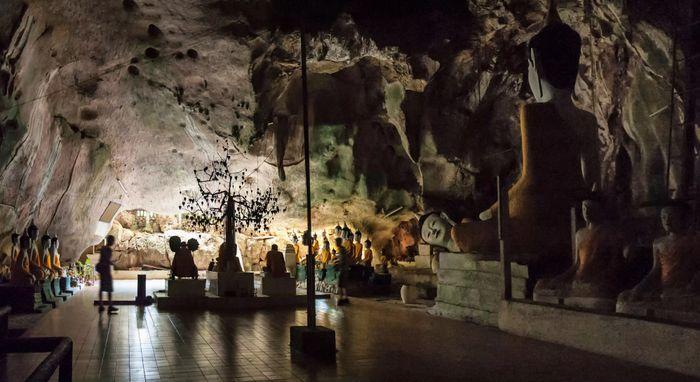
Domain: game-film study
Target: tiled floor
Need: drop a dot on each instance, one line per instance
(375, 343)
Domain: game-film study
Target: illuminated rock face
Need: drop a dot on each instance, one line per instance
(412, 107)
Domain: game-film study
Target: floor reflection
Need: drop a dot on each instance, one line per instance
(374, 344)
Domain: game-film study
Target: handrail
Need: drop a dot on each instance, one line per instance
(60, 351)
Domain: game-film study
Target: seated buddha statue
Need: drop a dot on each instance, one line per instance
(599, 263)
(275, 263)
(357, 248)
(46, 255)
(55, 257)
(35, 259)
(325, 254)
(367, 255)
(559, 164)
(676, 264)
(297, 249)
(21, 274)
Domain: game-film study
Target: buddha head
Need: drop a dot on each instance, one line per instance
(592, 211)
(435, 229)
(553, 57)
(15, 239)
(295, 239)
(326, 244)
(338, 231)
(338, 242)
(358, 236)
(274, 248)
(349, 237)
(54, 242)
(109, 240)
(32, 231)
(368, 244)
(45, 242)
(24, 242)
(674, 218)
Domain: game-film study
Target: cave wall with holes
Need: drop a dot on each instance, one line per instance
(413, 106)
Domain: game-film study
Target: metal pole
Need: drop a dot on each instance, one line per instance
(503, 214)
(671, 114)
(310, 266)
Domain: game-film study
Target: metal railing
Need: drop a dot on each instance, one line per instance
(60, 351)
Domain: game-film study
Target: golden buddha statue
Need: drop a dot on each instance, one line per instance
(559, 164)
(676, 264)
(297, 250)
(56, 258)
(21, 274)
(35, 259)
(357, 248)
(367, 255)
(46, 255)
(325, 254)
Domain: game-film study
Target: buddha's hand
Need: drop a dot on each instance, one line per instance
(486, 215)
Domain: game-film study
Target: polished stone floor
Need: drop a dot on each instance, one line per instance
(376, 342)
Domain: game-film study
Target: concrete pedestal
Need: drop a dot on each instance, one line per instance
(65, 285)
(318, 342)
(56, 289)
(186, 288)
(279, 286)
(238, 284)
(23, 299)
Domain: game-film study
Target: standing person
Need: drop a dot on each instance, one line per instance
(342, 262)
(103, 268)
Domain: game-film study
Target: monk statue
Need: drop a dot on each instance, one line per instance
(368, 255)
(275, 263)
(21, 274)
(598, 267)
(315, 246)
(183, 262)
(676, 264)
(559, 163)
(297, 249)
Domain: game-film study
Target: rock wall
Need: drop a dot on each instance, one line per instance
(413, 105)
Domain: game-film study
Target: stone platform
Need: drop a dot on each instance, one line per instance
(682, 310)
(211, 302)
(278, 286)
(185, 288)
(239, 284)
(470, 288)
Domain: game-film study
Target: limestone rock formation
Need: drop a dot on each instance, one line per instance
(413, 104)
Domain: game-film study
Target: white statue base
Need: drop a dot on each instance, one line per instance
(230, 284)
(186, 288)
(279, 286)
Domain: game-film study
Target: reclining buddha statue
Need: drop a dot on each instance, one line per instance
(559, 163)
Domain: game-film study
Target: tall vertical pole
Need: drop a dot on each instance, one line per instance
(503, 238)
(671, 113)
(310, 266)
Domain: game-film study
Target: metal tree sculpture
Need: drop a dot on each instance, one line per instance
(227, 200)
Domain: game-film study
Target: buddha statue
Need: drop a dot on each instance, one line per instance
(349, 247)
(21, 274)
(357, 247)
(56, 257)
(338, 231)
(598, 267)
(559, 164)
(367, 255)
(676, 264)
(275, 263)
(46, 256)
(315, 246)
(35, 264)
(297, 249)
(325, 254)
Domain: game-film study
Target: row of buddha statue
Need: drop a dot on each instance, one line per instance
(358, 252)
(31, 263)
